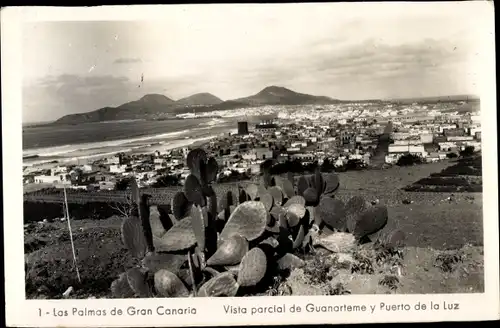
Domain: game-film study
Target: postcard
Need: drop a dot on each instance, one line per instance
(250, 164)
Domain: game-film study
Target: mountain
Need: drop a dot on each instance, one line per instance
(199, 99)
(149, 104)
(274, 95)
(159, 105)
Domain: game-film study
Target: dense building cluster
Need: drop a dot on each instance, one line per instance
(364, 135)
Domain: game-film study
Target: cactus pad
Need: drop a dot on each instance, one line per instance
(230, 252)
(299, 238)
(253, 267)
(261, 190)
(211, 170)
(156, 225)
(330, 183)
(134, 188)
(222, 284)
(168, 284)
(297, 209)
(302, 185)
(372, 220)
(356, 204)
(332, 212)
(198, 223)
(288, 190)
(193, 190)
(133, 236)
(267, 200)
(293, 219)
(181, 236)
(137, 281)
(271, 241)
(283, 221)
(157, 261)
(277, 195)
(290, 262)
(318, 182)
(180, 205)
(247, 220)
(252, 191)
(196, 159)
(276, 211)
(120, 288)
(311, 196)
(295, 200)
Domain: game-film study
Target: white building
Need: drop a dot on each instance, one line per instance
(116, 168)
(418, 150)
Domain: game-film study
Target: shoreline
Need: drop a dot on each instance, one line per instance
(143, 145)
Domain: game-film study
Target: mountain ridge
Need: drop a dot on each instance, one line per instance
(161, 105)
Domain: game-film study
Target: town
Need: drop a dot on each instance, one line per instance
(337, 137)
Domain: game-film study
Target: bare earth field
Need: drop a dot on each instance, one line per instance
(431, 221)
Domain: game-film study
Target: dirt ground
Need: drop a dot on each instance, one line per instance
(431, 222)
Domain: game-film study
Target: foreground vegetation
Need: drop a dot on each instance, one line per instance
(270, 238)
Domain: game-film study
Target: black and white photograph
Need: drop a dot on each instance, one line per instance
(255, 151)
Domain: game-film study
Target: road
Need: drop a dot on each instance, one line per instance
(383, 147)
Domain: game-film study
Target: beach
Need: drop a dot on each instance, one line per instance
(118, 137)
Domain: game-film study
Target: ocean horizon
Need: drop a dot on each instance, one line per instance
(69, 143)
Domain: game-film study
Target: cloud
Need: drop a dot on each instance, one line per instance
(127, 61)
(54, 96)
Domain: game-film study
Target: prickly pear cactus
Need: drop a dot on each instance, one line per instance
(138, 283)
(180, 237)
(230, 252)
(222, 284)
(332, 212)
(248, 220)
(168, 284)
(253, 268)
(133, 237)
(372, 220)
(193, 190)
(180, 205)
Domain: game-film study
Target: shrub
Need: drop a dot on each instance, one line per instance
(122, 184)
(467, 152)
(451, 155)
(408, 160)
(168, 180)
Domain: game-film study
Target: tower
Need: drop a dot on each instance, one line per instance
(242, 128)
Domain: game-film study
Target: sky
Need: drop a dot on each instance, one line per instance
(389, 51)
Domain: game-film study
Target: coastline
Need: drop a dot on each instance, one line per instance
(79, 153)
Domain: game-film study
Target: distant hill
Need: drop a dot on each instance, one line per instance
(274, 95)
(428, 100)
(149, 104)
(199, 99)
(156, 104)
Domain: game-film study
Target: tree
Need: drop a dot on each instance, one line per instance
(408, 160)
(168, 180)
(451, 155)
(467, 152)
(122, 184)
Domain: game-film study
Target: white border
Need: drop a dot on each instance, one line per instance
(21, 312)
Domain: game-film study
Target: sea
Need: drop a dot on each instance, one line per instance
(81, 143)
